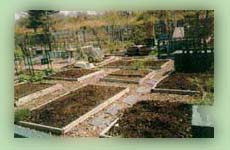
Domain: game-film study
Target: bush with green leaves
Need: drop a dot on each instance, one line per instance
(37, 76)
(153, 53)
(48, 71)
(24, 77)
(138, 64)
(21, 114)
(209, 85)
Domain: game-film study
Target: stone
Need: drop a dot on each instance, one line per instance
(143, 90)
(101, 121)
(113, 110)
(152, 82)
(130, 100)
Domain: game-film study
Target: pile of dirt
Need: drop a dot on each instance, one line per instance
(73, 73)
(68, 108)
(25, 89)
(155, 119)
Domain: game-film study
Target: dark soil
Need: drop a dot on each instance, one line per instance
(119, 63)
(137, 73)
(128, 63)
(186, 81)
(73, 73)
(68, 108)
(154, 64)
(128, 78)
(155, 119)
(29, 88)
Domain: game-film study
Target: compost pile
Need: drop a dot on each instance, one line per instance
(185, 81)
(73, 73)
(155, 119)
(29, 88)
(70, 107)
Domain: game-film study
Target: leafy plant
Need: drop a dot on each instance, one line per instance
(24, 77)
(48, 71)
(138, 64)
(209, 85)
(153, 53)
(38, 76)
(21, 114)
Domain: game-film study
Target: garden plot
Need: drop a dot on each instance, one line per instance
(153, 119)
(75, 74)
(137, 64)
(29, 91)
(64, 113)
(185, 83)
(128, 76)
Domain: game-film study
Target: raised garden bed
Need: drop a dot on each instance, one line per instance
(61, 115)
(128, 76)
(135, 63)
(153, 119)
(185, 83)
(28, 91)
(137, 73)
(75, 74)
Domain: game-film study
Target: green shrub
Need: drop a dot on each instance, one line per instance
(153, 53)
(38, 76)
(21, 114)
(48, 71)
(138, 64)
(209, 87)
(24, 77)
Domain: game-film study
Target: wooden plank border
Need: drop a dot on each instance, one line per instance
(119, 80)
(41, 127)
(103, 133)
(172, 91)
(58, 97)
(72, 124)
(175, 91)
(149, 75)
(77, 79)
(37, 94)
(95, 110)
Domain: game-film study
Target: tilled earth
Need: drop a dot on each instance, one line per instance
(29, 88)
(68, 108)
(185, 81)
(129, 63)
(154, 119)
(73, 73)
(123, 72)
